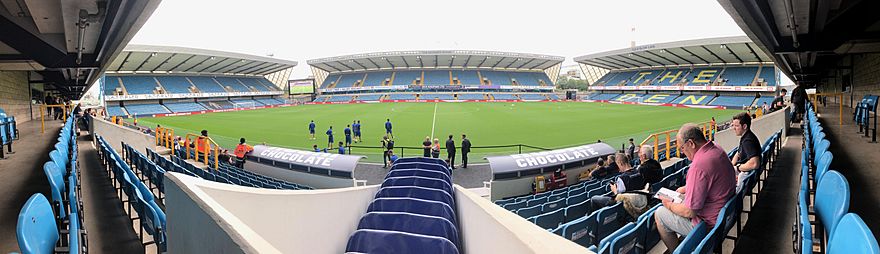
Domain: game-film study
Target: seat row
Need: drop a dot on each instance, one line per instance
(137, 196)
(46, 226)
(864, 111)
(825, 194)
(224, 174)
(8, 133)
(413, 212)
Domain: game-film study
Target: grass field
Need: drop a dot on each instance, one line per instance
(541, 124)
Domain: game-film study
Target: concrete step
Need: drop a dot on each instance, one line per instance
(197, 164)
(161, 150)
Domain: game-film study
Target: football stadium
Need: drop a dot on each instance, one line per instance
(759, 143)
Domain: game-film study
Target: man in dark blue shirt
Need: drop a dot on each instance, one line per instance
(330, 137)
(356, 127)
(341, 148)
(388, 128)
(347, 132)
(312, 129)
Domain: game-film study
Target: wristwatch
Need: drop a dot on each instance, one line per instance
(737, 167)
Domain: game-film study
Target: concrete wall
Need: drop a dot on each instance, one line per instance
(115, 134)
(865, 75)
(488, 228)
(313, 180)
(261, 220)
(15, 96)
(521, 186)
(763, 127)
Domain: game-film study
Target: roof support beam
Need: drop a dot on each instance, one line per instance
(733, 54)
(679, 57)
(661, 57)
(695, 55)
(214, 64)
(162, 63)
(713, 53)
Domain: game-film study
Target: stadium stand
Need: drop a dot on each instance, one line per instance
(145, 109)
(115, 111)
(497, 78)
(179, 107)
(339, 98)
(245, 101)
(377, 78)
(174, 84)
(659, 98)
(46, 224)
(256, 84)
(269, 101)
(703, 76)
(401, 96)
(760, 101)
(111, 85)
(349, 80)
(471, 96)
(331, 80)
(232, 83)
(504, 96)
(553, 96)
(739, 76)
(693, 99)
(139, 84)
(369, 97)
(466, 77)
(733, 101)
(417, 217)
(405, 78)
(643, 77)
(217, 104)
(533, 97)
(437, 96)
(524, 78)
(826, 193)
(207, 85)
(433, 78)
(671, 77)
(865, 109)
(768, 75)
(603, 96)
(619, 78)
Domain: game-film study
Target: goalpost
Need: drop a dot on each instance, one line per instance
(249, 104)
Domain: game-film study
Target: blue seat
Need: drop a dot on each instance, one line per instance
(852, 235)
(717, 233)
(574, 199)
(832, 199)
(387, 242)
(413, 205)
(693, 239)
(529, 212)
(576, 211)
(581, 231)
(609, 219)
(418, 181)
(537, 201)
(628, 243)
(36, 229)
(430, 165)
(553, 206)
(549, 220)
(416, 192)
(410, 223)
(73, 243)
(515, 205)
(419, 172)
(822, 165)
(56, 186)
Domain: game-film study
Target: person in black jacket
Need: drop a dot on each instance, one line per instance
(426, 147)
(450, 151)
(650, 169)
(799, 98)
(465, 149)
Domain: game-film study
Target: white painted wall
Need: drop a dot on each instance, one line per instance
(114, 134)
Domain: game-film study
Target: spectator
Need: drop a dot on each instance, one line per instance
(341, 148)
(631, 150)
(392, 157)
(585, 175)
(650, 169)
(465, 149)
(426, 147)
(799, 98)
(748, 157)
(241, 152)
(609, 168)
(779, 102)
(713, 126)
(629, 180)
(450, 151)
(710, 184)
(224, 157)
(435, 149)
(315, 147)
(388, 148)
(765, 108)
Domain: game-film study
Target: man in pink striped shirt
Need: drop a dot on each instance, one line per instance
(710, 183)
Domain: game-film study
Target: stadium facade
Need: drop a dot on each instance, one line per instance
(163, 80)
(436, 75)
(725, 72)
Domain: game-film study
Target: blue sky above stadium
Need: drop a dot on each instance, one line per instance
(302, 30)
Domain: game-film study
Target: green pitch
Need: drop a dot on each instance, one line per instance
(541, 124)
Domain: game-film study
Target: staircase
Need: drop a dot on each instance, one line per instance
(414, 211)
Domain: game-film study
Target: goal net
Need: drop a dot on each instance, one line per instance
(244, 104)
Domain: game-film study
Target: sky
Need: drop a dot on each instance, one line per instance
(302, 30)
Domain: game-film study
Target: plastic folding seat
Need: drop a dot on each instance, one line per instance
(60, 161)
(410, 223)
(852, 235)
(609, 219)
(804, 233)
(74, 237)
(562, 195)
(822, 165)
(419, 172)
(577, 190)
(605, 244)
(832, 199)
(416, 192)
(418, 181)
(717, 233)
(36, 230)
(384, 241)
(537, 201)
(516, 205)
(57, 188)
(153, 222)
(574, 199)
(576, 211)
(549, 220)
(581, 231)
(553, 206)
(693, 239)
(530, 211)
(413, 205)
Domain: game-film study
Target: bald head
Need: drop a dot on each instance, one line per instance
(691, 131)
